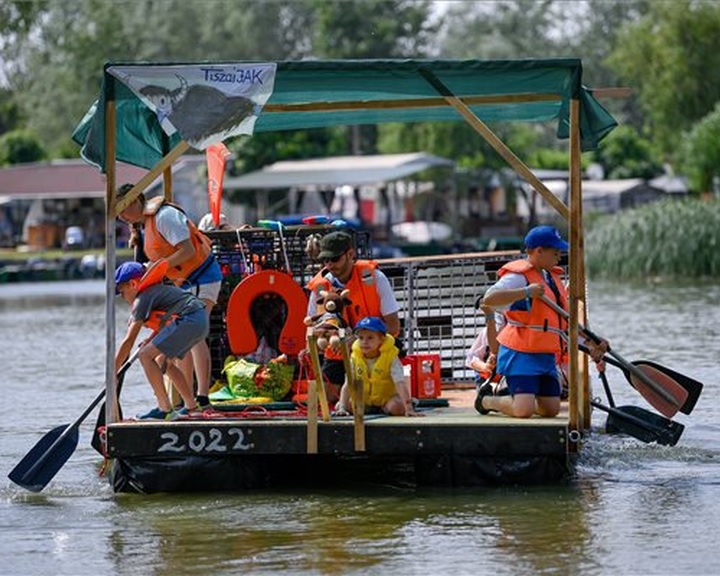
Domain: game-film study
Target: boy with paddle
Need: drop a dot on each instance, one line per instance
(182, 323)
(532, 341)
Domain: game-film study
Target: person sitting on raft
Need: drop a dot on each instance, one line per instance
(375, 362)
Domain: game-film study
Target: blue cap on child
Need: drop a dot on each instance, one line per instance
(371, 323)
(127, 271)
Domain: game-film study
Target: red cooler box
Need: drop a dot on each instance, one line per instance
(424, 375)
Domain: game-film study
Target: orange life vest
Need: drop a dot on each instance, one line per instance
(363, 291)
(537, 330)
(156, 247)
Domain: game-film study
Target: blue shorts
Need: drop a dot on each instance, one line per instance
(179, 336)
(538, 384)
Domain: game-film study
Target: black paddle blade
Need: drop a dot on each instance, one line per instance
(40, 465)
(693, 387)
(643, 425)
(96, 441)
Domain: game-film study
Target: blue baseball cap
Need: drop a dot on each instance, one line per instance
(127, 271)
(371, 323)
(545, 237)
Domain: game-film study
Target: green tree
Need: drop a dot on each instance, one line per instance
(54, 61)
(18, 146)
(670, 57)
(700, 158)
(625, 154)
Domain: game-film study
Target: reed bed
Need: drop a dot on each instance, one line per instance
(665, 239)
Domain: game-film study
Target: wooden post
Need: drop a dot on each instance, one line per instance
(315, 358)
(312, 418)
(357, 396)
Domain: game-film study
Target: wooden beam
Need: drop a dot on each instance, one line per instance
(405, 103)
(150, 177)
(499, 146)
(619, 92)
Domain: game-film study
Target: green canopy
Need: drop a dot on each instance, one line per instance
(311, 94)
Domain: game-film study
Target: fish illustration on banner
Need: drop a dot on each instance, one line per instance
(216, 155)
(205, 104)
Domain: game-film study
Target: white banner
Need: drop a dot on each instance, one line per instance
(204, 103)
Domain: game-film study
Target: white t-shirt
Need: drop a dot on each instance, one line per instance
(172, 225)
(388, 302)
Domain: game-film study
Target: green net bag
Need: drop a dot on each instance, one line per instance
(240, 375)
(250, 380)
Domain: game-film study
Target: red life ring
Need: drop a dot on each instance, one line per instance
(241, 333)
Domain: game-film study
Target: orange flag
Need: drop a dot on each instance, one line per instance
(216, 155)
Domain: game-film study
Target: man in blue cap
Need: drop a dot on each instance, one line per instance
(180, 321)
(532, 345)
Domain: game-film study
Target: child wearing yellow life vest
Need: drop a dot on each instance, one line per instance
(375, 361)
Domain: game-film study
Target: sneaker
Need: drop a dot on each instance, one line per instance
(203, 403)
(157, 414)
(188, 411)
(484, 390)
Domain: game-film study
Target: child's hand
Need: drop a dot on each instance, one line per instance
(410, 410)
(491, 361)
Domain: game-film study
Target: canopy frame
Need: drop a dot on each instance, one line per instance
(572, 97)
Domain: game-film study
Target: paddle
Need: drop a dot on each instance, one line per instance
(154, 275)
(638, 422)
(641, 424)
(651, 369)
(45, 459)
(661, 391)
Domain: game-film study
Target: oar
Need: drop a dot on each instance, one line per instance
(661, 373)
(651, 428)
(641, 424)
(662, 392)
(96, 441)
(40, 465)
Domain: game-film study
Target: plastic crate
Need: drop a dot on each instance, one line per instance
(425, 379)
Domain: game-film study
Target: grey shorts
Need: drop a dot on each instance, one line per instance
(179, 336)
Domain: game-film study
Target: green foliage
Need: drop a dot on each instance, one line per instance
(701, 152)
(670, 238)
(10, 118)
(371, 28)
(625, 154)
(19, 146)
(669, 57)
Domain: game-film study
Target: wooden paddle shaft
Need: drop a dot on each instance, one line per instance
(659, 390)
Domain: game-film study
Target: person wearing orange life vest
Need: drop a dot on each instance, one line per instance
(531, 343)
(188, 324)
(370, 292)
(167, 233)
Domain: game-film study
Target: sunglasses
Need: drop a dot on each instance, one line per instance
(333, 260)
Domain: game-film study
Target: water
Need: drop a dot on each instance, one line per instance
(634, 509)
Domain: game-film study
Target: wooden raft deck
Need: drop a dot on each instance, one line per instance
(451, 446)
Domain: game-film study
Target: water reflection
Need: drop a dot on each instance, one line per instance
(635, 508)
(333, 533)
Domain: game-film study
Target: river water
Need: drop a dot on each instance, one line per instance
(633, 509)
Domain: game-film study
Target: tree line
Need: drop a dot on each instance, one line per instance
(52, 54)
